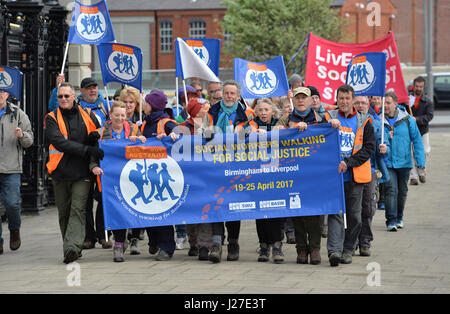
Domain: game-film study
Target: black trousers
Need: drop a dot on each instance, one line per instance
(233, 229)
(269, 230)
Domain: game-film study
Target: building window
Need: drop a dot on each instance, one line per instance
(165, 33)
(197, 29)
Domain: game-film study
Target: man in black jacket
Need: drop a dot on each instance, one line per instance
(70, 132)
(422, 111)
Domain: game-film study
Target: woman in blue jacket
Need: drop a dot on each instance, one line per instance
(401, 131)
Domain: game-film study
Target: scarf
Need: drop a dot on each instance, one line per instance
(224, 116)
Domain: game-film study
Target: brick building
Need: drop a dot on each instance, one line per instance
(153, 25)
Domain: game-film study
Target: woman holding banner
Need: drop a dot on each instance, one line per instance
(118, 127)
(269, 230)
(159, 122)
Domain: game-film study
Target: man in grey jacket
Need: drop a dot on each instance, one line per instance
(15, 135)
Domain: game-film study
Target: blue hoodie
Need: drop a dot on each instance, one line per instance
(405, 132)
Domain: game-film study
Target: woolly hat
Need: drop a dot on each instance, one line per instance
(314, 91)
(194, 106)
(157, 100)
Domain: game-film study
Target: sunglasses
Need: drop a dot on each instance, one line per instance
(64, 96)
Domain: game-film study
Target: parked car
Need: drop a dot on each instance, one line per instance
(441, 87)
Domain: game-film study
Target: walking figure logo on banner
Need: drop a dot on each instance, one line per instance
(152, 186)
(91, 24)
(259, 79)
(361, 74)
(5, 79)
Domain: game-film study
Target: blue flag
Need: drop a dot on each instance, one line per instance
(90, 24)
(227, 179)
(258, 80)
(366, 73)
(121, 63)
(11, 81)
(208, 50)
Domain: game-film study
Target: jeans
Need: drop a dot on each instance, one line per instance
(396, 191)
(367, 213)
(10, 195)
(163, 237)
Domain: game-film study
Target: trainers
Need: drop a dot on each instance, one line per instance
(193, 251)
(264, 252)
(14, 240)
(163, 256)
(152, 249)
(118, 252)
(180, 243)
(233, 251)
(364, 251)
(315, 257)
(413, 182)
(105, 244)
(381, 206)
(302, 257)
(392, 228)
(277, 253)
(400, 224)
(203, 253)
(334, 259)
(422, 179)
(134, 250)
(215, 254)
(346, 258)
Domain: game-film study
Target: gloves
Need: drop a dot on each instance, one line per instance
(93, 138)
(95, 152)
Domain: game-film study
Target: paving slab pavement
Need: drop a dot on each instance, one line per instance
(413, 260)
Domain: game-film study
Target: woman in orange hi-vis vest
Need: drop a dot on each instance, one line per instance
(118, 127)
(71, 132)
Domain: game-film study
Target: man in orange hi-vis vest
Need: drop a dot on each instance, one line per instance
(357, 146)
(71, 133)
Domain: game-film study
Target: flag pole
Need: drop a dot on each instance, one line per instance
(140, 107)
(107, 98)
(176, 90)
(185, 93)
(382, 121)
(65, 57)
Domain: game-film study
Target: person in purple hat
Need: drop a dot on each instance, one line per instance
(159, 123)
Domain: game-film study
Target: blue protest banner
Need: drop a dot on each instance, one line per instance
(266, 79)
(121, 63)
(11, 81)
(366, 73)
(283, 174)
(207, 49)
(91, 24)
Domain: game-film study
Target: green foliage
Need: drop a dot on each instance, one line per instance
(263, 29)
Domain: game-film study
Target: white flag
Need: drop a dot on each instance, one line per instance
(192, 65)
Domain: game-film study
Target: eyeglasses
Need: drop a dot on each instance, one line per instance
(64, 96)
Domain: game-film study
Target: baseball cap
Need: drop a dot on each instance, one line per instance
(88, 81)
(301, 90)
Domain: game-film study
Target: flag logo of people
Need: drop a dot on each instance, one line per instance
(366, 73)
(200, 49)
(258, 80)
(11, 81)
(121, 63)
(91, 24)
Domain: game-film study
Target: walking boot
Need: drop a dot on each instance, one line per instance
(118, 252)
(315, 257)
(264, 251)
(233, 250)
(14, 240)
(277, 253)
(215, 254)
(134, 250)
